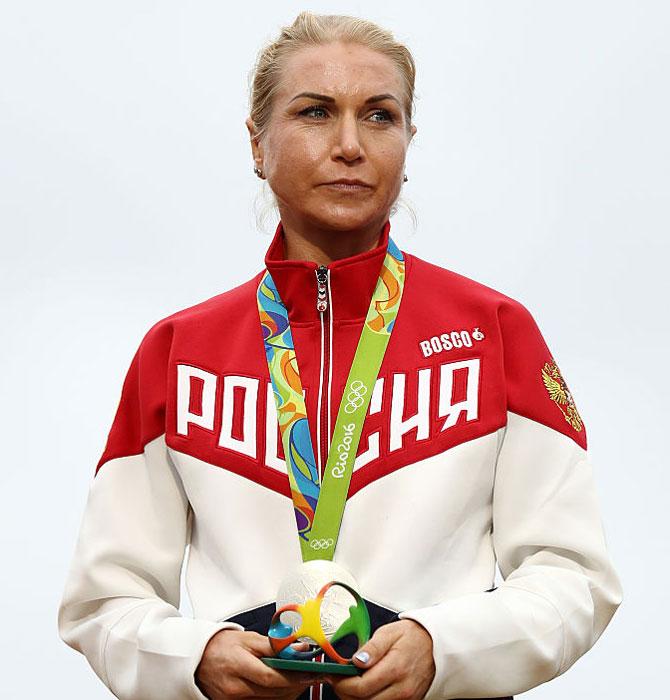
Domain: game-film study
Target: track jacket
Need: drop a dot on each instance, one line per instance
(472, 452)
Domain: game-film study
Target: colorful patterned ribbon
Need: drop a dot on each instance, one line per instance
(319, 507)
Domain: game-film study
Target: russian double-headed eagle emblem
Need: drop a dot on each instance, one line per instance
(558, 392)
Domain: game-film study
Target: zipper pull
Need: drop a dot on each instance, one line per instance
(321, 288)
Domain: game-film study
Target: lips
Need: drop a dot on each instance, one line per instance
(345, 183)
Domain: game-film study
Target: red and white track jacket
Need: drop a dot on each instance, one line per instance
(472, 453)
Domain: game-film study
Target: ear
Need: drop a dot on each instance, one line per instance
(256, 147)
(413, 130)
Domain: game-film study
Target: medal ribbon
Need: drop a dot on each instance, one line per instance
(319, 507)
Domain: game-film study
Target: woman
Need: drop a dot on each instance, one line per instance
(472, 450)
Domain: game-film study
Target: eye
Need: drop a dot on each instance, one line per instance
(312, 108)
(384, 113)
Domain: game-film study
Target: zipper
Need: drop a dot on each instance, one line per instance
(323, 307)
(323, 407)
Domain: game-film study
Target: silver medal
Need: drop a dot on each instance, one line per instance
(306, 580)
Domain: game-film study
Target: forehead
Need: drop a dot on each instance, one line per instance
(340, 70)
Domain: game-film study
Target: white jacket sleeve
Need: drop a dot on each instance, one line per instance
(559, 588)
(120, 606)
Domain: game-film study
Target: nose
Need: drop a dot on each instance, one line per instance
(347, 143)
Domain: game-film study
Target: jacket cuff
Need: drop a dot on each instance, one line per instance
(423, 617)
(491, 644)
(204, 631)
(169, 659)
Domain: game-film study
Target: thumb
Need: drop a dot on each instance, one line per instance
(374, 649)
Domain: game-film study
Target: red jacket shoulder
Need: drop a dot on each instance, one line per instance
(140, 415)
(534, 385)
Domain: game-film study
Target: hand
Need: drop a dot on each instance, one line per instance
(400, 665)
(231, 668)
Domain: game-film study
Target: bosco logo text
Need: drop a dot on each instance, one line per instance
(448, 341)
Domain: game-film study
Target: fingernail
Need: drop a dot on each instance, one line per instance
(363, 657)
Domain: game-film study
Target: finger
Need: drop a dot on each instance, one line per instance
(395, 691)
(380, 676)
(241, 687)
(248, 666)
(258, 644)
(346, 691)
(256, 671)
(376, 647)
(244, 688)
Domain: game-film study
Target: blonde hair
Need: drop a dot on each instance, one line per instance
(309, 29)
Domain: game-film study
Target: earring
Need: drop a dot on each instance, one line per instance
(405, 178)
(258, 172)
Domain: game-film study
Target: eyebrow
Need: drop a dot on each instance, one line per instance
(327, 98)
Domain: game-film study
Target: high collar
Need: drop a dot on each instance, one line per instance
(352, 280)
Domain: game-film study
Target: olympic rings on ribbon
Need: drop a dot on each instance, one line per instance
(355, 396)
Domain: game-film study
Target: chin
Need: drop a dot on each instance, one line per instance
(345, 217)
(342, 223)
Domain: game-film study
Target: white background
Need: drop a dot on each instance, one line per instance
(540, 168)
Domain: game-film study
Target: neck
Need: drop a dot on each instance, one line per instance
(323, 246)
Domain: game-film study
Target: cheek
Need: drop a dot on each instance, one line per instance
(298, 154)
(389, 163)
(390, 157)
